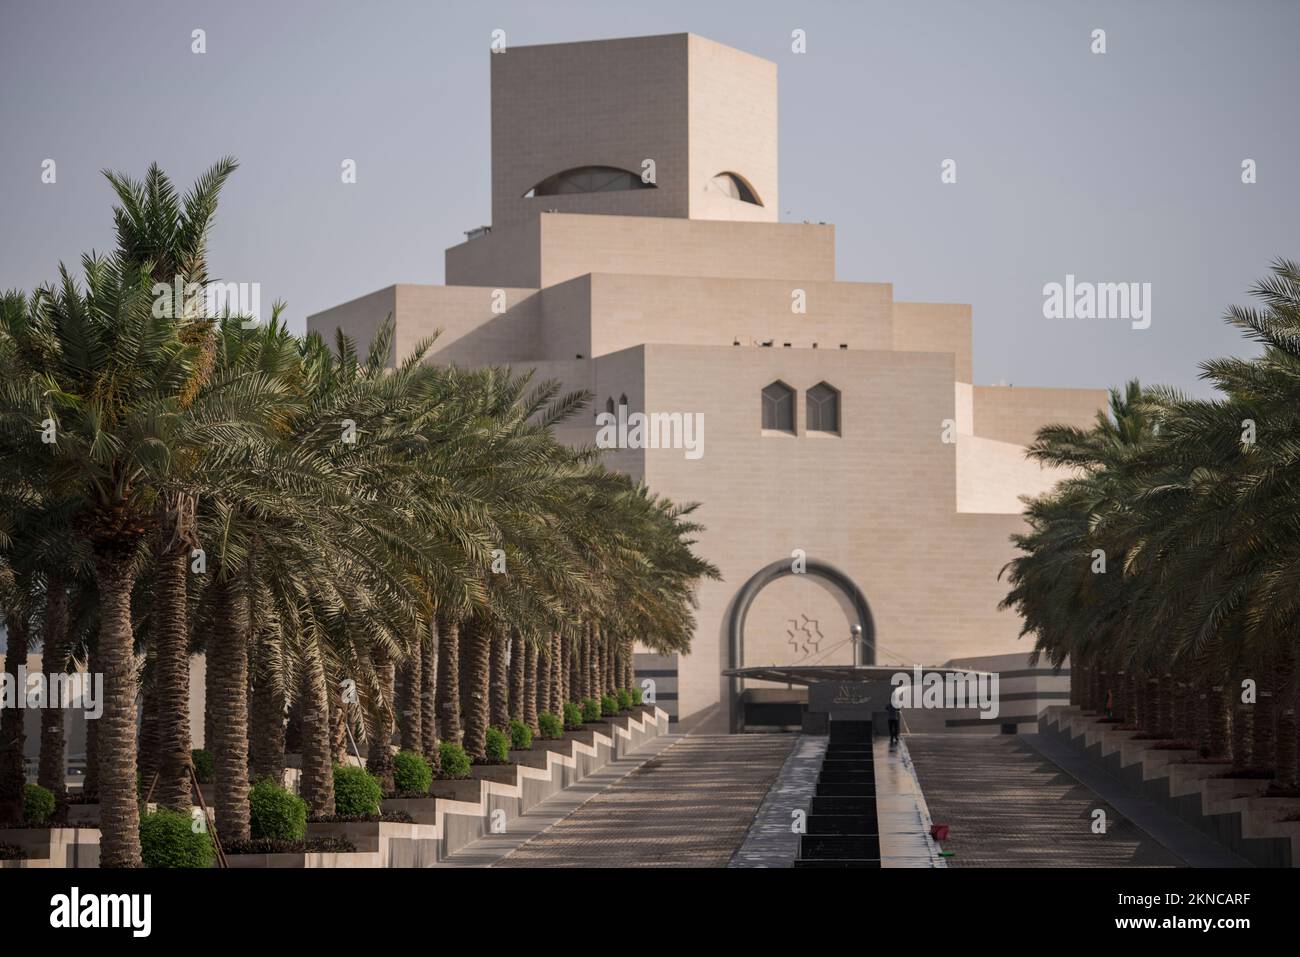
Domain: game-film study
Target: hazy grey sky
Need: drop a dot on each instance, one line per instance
(1117, 167)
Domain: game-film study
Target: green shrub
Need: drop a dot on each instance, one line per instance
(521, 736)
(356, 790)
(608, 705)
(173, 839)
(636, 695)
(38, 804)
(204, 769)
(411, 773)
(496, 746)
(590, 709)
(454, 760)
(276, 814)
(572, 716)
(624, 700)
(551, 725)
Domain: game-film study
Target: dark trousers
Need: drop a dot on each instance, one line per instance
(893, 729)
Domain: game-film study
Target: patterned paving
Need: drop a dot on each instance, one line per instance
(1010, 807)
(688, 807)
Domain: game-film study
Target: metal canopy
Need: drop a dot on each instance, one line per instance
(811, 674)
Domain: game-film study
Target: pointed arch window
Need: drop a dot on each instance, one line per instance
(823, 408)
(778, 407)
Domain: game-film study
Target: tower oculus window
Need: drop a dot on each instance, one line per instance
(823, 408)
(778, 407)
(589, 179)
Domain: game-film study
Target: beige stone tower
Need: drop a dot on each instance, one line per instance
(838, 424)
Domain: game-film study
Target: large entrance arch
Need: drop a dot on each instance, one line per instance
(864, 651)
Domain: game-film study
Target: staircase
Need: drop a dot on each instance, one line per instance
(842, 829)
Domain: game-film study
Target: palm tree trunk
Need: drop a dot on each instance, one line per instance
(1165, 706)
(448, 696)
(588, 686)
(555, 699)
(571, 682)
(148, 741)
(228, 681)
(266, 720)
(53, 773)
(13, 775)
(1242, 732)
(517, 655)
(317, 744)
(477, 640)
(499, 680)
(530, 686)
(410, 693)
(90, 787)
(171, 677)
(429, 696)
(626, 679)
(542, 690)
(1264, 718)
(119, 810)
(1184, 701)
(1285, 760)
(607, 659)
(379, 758)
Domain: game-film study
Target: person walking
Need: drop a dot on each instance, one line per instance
(895, 715)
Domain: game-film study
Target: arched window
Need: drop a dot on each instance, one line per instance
(622, 399)
(609, 405)
(588, 179)
(823, 408)
(778, 407)
(735, 186)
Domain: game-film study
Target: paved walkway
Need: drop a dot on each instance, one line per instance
(689, 806)
(489, 851)
(1008, 806)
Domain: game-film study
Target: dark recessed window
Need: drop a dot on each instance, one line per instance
(609, 405)
(823, 408)
(778, 407)
(735, 186)
(588, 179)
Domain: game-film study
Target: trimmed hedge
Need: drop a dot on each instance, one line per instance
(496, 746)
(608, 705)
(624, 700)
(590, 709)
(275, 814)
(173, 839)
(636, 695)
(521, 736)
(551, 725)
(572, 716)
(454, 760)
(38, 804)
(356, 790)
(411, 773)
(204, 767)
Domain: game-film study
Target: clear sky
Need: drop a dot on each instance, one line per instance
(1121, 167)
